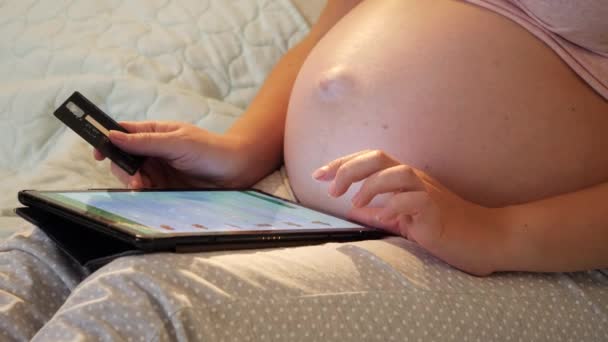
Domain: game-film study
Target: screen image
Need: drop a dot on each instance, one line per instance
(175, 212)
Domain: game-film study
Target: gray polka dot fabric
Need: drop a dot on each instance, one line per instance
(379, 290)
(385, 290)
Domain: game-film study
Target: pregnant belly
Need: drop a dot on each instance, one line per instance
(449, 88)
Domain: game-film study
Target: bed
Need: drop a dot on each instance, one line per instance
(202, 62)
(193, 61)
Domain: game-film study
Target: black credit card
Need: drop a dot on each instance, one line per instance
(93, 125)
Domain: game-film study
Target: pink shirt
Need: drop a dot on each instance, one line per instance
(576, 30)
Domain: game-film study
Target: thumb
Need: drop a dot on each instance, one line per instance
(150, 144)
(369, 217)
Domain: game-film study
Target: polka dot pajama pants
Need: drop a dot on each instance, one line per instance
(383, 290)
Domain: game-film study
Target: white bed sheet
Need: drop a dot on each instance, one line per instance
(187, 60)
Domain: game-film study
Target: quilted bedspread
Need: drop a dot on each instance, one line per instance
(198, 61)
(202, 61)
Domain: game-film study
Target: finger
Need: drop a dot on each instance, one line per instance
(328, 172)
(146, 182)
(98, 155)
(394, 179)
(140, 127)
(149, 126)
(359, 168)
(369, 217)
(137, 181)
(153, 174)
(146, 143)
(417, 216)
(123, 177)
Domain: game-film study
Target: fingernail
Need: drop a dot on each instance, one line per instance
(320, 172)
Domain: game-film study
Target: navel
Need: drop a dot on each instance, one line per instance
(335, 84)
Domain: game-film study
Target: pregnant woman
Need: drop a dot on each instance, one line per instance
(492, 147)
(475, 129)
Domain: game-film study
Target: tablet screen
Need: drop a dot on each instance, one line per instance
(204, 212)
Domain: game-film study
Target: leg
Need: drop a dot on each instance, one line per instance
(35, 279)
(383, 290)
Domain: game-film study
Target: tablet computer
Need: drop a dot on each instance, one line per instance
(183, 220)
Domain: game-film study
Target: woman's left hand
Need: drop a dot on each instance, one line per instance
(457, 231)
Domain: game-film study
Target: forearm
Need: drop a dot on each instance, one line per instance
(260, 130)
(559, 234)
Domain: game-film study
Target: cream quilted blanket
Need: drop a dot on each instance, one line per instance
(198, 61)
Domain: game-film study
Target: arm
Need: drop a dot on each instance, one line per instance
(183, 155)
(260, 130)
(558, 234)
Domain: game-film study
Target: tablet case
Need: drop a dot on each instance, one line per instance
(92, 249)
(86, 247)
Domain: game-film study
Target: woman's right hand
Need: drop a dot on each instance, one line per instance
(179, 155)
